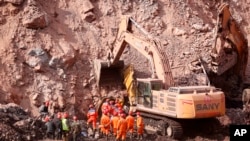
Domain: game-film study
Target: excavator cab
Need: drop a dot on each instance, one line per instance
(144, 91)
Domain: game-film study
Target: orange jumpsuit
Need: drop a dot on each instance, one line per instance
(105, 122)
(122, 129)
(92, 116)
(114, 123)
(140, 125)
(130, 120)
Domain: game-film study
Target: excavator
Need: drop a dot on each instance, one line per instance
(230, 48)
(162, 104)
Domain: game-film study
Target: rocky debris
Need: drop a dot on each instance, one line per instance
(17, 2)
(34, 17)
(36, 58)
(15, 124)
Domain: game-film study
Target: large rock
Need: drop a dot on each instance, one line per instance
(18, 2)
(65, 58)
(34, 18)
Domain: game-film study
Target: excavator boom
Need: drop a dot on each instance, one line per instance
(150, 48)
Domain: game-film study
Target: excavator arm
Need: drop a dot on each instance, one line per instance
(230, 49)
(150, 48)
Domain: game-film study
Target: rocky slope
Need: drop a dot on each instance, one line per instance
(48, 46)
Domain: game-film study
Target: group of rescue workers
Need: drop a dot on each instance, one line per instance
(113, 122)
(59, 126)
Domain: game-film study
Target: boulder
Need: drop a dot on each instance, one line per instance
(34, 18)
(89, 17)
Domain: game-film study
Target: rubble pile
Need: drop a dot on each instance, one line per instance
(16, 124)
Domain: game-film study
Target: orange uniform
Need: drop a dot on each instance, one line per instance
(105, 124)
(140, 125)
(92, 117)
(114, 123)
(130, 120)
(122, 128)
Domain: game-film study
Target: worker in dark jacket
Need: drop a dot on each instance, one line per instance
(50, 128)
(75, 128)
(58, 124)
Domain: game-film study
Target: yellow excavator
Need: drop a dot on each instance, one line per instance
(162, 104)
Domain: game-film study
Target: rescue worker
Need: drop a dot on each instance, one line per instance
(50, 128)
(105, 105)
(105, 123)
(92, 117)
(112, 107)
(44, 109)
(130, 120)
(122, 128)
(65, 127)
(139, 125)
(75, 128)
(114, 123)
(58, 126)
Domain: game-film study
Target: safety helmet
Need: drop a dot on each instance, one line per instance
(74, 117)
(46, 119)
(123, 115)
(138, 113)
(106, 111)
(130, 113)
(91, 106)
(59, 115)
(47, 103)
(115, 113)
(65, 115)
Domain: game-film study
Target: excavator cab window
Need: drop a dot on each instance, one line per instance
(144, 95)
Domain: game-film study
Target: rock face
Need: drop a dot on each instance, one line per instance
(18, 2)
(48, 46)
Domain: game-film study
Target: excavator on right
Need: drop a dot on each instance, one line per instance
(229, 53)
(230, 49)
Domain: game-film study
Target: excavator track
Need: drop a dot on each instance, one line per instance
(167, 126)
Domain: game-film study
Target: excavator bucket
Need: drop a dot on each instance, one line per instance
(108, 75)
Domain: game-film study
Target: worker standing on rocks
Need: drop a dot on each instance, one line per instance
(114, 123)
(75, 128)
(44, 109)
(105, 123)
(50, 128)
(122, 128)
(58, 124)
(139, 125)
(65, 127)
(130, 120)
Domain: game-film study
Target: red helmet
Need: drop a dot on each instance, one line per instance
(59, 115)
(138, 113)
(74, 117)
(47, 103)
(130, 113)
(123, 115)
(106, 111)
(91, 106)
(115, 113)
(46, 119)
(65, 115)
